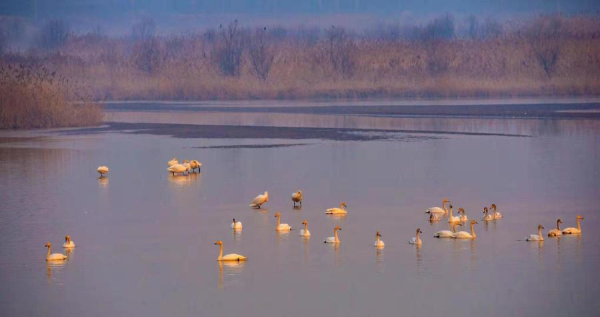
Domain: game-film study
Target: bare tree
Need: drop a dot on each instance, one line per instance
(228, 54)
(144, 29)
(148, 55)
(340, 51)
(261, 53)
(54, 34)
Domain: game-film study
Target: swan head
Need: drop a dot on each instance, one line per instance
(460, 210)
(48, 244)
(445, 200)
(277, 215)
(473, 222)
(540, 227)
(559, 221)
(579, 217)
(337, 228)
(233, 220)
(378, 234)
(299, 192)
(485, 210)
(343, 204)
(219, 242)
(450, 206)
(493, 206)
(67, 238)
(419, 230)
(305, 222)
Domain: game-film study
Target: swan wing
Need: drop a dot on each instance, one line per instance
(570, 230)
(435, 210)
(233, 257)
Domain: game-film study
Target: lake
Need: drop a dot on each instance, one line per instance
(145, 239)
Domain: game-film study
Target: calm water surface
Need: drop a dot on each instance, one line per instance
(145, 238)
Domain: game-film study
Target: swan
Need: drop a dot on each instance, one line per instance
(259, 200)
(337, 211)
(102, 170)
(438, 210)
(297, 197)
(434, 217)
(281, 226)
(173, 161)
(68, 242)
(463, 217)
(556, 232)
(378, 243)
(495, 214)
(187, 165)
(572, 230)
(229, 257)
(453, 219)
(536, 237)
(54, 256)
(335, 238)
(177, 168)
(487, 216)
(466, 235)
(304, 232)
(236, 225)
(447, 233)
(195, 165)
(416, 240)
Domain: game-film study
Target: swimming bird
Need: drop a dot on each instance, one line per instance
(173, 161)
(434, 217)
(463, 217)
(467, 235)
(556, 232)
(228, 257)
(177, 168)
(447, 233)
(572, 230)
(297, 197)
(68, 242)
(259, 200)
(453, 219)
(495, 214)
(536, 237)
(281, 226)
(337, 211)
(236, 225)
(54, 256)
(195, 165)
(378, 243)
(335, 238)
(304, 232)
(438, 210)
(416, 240)
(487, 216)
(103, 170)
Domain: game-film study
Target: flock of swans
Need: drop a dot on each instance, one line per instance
(435, 214)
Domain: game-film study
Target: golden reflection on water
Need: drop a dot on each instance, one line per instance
(379, 265)
(184, 180)
(232, 269)
(103, 182)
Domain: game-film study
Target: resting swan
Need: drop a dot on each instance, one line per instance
(297, 197)
(68, 242)
(447, 233)
(416, 240)
(556, 232)
(259, 200)
(335, 238)
(572, 230)
(304, 232)
(177, 168)
(453, 219)
(467, 235)
(102, 170)
(438, 210)
(487, 216)
(536, 237)
(434, 217)
(495, 214)
(337, 211)
(463, 217)
(281, 226)
(195, 165)
(228, 257)
(236, 225)
(378, 243)
(54, 256)
(173, 161)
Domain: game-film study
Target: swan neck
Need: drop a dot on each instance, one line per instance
(444, 206)
(578, 224)
(220, 251)
(305, 227)
(418, 237)
(278, 221)
(48, 256)
(473, 229)
(540, 234)
(335, 234)
(558, 226)
(378, 239)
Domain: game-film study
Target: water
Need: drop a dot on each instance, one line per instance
(145, 238)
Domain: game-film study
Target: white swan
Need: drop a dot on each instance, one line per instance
(416, 240)
(556, 232)
(304, 232)
(335, 238)
(495, 214)
(297, 197)
(434, 217)
(438, 210)
(463, 217)
(467, 235)
(378, 243)
(68, 242)
(102, 170)
(536, 237)
(337, 211)
(281, 226)
(177, 168)
(195, 165)
(229, 257)
(451, 218)
(173, 161)
(572, 230)
(259, 200)
(487, 216)
(187, 165)
(54, 256)
(447, 233)
(236, 225)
